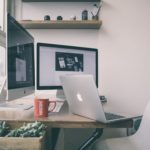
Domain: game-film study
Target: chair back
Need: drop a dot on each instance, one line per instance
(142, 136)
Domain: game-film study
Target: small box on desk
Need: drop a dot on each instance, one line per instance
(23, 143)
(19, 143)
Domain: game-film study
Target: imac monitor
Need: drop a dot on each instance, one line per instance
(20, 60)
(55, 60)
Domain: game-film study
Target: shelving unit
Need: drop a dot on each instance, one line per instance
(64, 24)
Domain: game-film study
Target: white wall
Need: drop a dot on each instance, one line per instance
(123, 42)
(2, 14)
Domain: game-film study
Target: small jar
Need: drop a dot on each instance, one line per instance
(47, 17)
(95, 17)
(84, 15)
(59, 18)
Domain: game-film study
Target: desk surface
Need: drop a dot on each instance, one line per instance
(64, 119)
(74, 121)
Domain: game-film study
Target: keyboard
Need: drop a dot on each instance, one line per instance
(110, 116)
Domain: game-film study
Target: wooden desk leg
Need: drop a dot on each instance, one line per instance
(96, 134)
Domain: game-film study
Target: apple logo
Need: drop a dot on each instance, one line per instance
(79, 97)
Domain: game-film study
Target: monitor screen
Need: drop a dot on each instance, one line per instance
(20, 56)
(55, 60)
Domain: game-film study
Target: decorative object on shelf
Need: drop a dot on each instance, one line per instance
(95, 11)
(73, 18)
(59, 18)
(47, 17)
(85, 15)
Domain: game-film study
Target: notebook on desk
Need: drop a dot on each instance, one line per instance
(83, 98)
(15, 106)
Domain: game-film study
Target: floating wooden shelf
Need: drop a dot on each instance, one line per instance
(61, 0)
(64, 24)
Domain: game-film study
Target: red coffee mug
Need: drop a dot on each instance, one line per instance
(41, 107)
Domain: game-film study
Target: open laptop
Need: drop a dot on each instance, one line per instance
(83, 98)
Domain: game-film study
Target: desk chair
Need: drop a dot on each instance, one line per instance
(138, 141)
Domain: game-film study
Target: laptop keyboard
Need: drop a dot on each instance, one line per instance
(110, 116)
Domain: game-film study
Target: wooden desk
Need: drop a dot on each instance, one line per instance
(73, 121)
(64, 119)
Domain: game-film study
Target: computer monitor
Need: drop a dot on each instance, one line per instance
(20, 60)
(54, 60)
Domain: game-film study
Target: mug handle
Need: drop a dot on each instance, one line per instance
(53, 106)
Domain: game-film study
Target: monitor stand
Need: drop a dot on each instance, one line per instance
(20, 92)
(60, 94)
